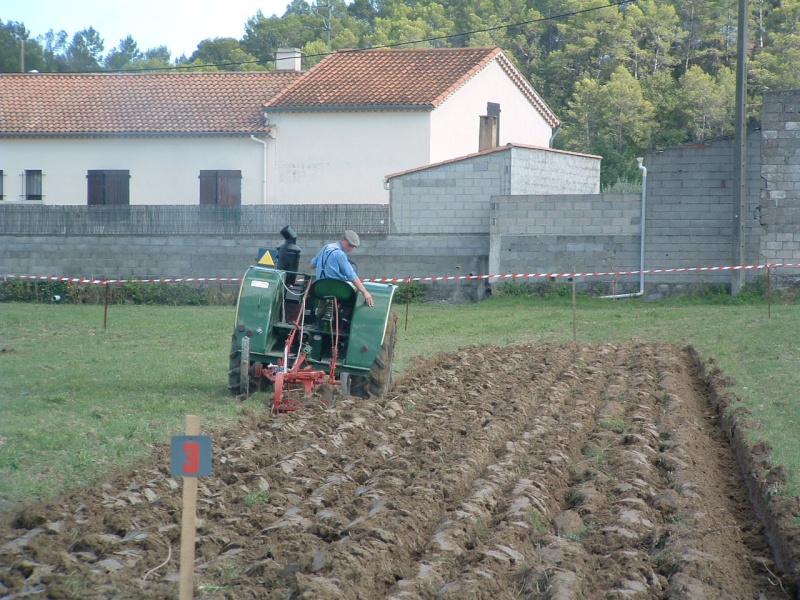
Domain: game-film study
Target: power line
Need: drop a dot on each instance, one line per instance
(393, 45)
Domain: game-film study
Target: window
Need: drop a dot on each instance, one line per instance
(33, 185)
(109, 187)
(221, 188)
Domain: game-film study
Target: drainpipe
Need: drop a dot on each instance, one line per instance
(264, 169)
(643, 169)
(553, 136)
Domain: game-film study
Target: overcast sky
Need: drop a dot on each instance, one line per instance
(177, 24)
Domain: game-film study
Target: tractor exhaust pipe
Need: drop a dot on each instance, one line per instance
(289, 255)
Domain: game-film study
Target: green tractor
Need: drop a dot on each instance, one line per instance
(293, 332)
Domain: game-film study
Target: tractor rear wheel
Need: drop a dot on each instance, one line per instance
(380, 375)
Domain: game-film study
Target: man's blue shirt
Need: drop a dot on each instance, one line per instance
(331, 261)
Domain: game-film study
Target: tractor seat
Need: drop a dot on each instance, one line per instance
(343, 291)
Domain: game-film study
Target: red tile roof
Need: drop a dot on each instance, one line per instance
(137, 103)
(81, 104)
(420, 78)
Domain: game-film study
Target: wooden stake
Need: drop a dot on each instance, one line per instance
(408, 300)
(769, 294)
(105, 309)
(574, 314)
(189, 522)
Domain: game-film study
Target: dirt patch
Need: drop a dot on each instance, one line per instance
(561, 471)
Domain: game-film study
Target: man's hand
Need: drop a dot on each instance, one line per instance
(367, 296)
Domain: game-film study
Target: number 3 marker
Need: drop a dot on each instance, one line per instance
(191, 455)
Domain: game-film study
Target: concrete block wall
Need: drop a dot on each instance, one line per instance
(167, 256)
(120, 256)
(537, 171)
(780, 172)
(454, 197)
(448, 198)
(567, 234)
(690, 209)
(447, 255)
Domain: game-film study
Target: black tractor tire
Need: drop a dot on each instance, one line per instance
(235, 387)
(380, 374)
(234, 369)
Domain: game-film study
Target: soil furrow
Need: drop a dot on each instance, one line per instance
(469, 534)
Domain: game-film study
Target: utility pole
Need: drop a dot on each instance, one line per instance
(740, 154)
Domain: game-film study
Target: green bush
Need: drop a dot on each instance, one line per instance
(546, 289)
(512, 288)
(411, 291)
(24, 290)
(623, 185)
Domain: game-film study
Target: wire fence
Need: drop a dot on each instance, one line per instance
(322, 219)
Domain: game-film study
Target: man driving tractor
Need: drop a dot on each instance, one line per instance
(331, 262)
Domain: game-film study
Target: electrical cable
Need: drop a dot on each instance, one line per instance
(392, 45)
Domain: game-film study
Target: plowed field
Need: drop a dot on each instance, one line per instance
(563, 471)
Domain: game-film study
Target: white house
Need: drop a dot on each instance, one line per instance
(328, 135)
(359, 115)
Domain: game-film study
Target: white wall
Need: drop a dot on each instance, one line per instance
(535, 171)
(329, 157)
(455, 124)
(163, 170)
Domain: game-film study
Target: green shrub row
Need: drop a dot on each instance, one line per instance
(172, 294)
(223, 294)
(715, 293)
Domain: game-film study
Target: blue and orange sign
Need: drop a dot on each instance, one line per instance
(190, 455)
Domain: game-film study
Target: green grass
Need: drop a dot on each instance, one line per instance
(76, 401)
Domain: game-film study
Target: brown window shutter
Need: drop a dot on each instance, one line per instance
(208, 188)
(109, 187)
(96, 188)
(230, 188)
(221, 188)
(118, 192)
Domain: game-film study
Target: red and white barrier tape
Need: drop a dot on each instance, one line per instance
(574, 275)
(104, 281)
(406, 279)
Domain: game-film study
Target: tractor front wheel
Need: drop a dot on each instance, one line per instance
(235, 369)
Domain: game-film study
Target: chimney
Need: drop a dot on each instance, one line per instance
(489, 135)
(288, 59)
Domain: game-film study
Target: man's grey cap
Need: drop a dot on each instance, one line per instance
(351, 237)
